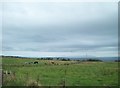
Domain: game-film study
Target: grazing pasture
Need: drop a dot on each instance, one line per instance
(58, 73)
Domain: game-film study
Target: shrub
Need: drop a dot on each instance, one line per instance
(93, 60)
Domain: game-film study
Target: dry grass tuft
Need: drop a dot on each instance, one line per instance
(33, 84)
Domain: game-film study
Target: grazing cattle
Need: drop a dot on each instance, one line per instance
(36, 62)
(66, 64)
(53, 62)
(57, 64)
(26, 62)
(7, 72)
(30, 62)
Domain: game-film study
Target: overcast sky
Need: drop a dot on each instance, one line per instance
(60, 29)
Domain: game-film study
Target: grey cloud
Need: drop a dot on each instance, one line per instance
(63, 27)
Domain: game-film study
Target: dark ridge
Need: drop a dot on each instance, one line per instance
(113, 59)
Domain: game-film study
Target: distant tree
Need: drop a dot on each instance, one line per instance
(58, 58)
(38, 58)
(68, 59)
(77, 60)
(117, 60)
(63, 59)
(51, 59)
(42, 58)
(94, 60)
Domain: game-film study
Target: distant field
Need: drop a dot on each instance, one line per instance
(46, 74)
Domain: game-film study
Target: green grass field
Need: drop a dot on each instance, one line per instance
(82, 74)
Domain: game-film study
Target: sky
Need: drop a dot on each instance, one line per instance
(73, 29)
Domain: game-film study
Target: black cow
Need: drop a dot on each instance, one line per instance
(36, 62)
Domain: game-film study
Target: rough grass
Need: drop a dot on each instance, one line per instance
(82, 74)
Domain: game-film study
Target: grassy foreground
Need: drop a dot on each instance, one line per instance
(45, 74)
